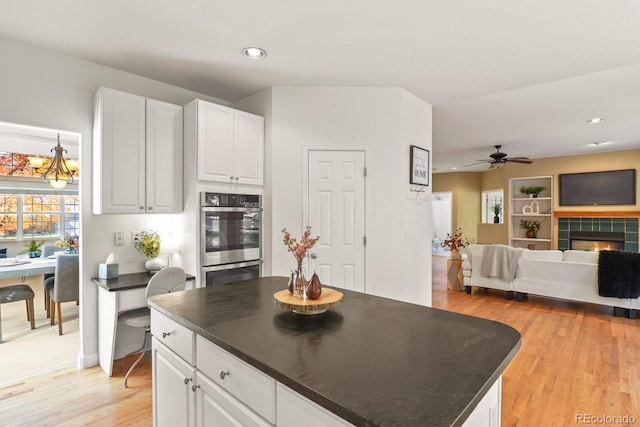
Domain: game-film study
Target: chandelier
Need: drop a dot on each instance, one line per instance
(59, 172)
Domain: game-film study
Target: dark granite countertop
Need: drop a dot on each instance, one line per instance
(128, 281)
(372, 361)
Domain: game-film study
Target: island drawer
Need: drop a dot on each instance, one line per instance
(175, 336)
(246, 383)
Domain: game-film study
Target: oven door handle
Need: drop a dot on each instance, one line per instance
(228, 209)
(207, 269)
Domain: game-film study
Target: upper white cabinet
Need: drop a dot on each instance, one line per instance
(230, 143)
(137, 154)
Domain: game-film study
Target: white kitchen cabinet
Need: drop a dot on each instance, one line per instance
(230, 143)
(293, 408)
(216, 407)
(174, 402)
(137, 154)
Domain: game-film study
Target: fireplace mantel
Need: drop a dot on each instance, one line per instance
(597, 214)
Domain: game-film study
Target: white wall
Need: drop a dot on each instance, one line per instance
(47, 89)
(385, 121)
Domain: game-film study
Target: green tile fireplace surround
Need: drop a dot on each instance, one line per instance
(629, 226)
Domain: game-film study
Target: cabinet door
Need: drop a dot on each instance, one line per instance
(292, 408)
(119, 153)
(163, 157)
(215, 143)
(218, 408)
(173, 396)
(249, 148)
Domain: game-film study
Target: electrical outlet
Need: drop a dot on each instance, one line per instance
(134, 236)
(119, 238)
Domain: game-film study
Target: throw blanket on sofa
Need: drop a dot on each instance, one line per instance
(500, 261)
(618, 274)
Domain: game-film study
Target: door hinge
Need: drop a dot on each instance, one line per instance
(364, 173)
(364, 240)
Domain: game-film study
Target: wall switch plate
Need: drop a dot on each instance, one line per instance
(119, 238)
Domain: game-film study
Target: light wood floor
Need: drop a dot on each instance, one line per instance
(576, 359)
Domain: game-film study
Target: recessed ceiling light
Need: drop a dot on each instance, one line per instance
(595, 120)
(599, 143)
(454, 168)
(254, 53)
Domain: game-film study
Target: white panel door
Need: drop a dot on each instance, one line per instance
(337, 215)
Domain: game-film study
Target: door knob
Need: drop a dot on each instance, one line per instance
(314, 255)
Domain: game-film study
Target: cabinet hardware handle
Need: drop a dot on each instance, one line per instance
(187, 380)
(224, 374)
(231, 178)
(150, 208)
(237, 178)
(194, 387)
(141, 207)
(165, 334)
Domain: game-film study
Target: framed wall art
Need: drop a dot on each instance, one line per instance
(419, 167)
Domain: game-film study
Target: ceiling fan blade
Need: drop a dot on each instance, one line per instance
(478, 163)
(518, 160)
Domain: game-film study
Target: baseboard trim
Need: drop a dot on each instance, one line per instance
(87, 361)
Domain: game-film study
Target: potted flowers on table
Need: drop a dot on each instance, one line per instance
(455, 242)
(69, 242)
(532, 227)
(148, 243)
(299, 250)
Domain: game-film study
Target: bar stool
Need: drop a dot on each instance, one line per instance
(14, 293)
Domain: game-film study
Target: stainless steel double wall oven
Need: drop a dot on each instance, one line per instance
(230, 237)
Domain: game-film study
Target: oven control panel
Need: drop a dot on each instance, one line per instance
(230, 200)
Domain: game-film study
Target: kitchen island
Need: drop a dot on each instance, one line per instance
(371, 361)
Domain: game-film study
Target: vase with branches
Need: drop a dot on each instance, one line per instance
(299, 249)
(455, 242)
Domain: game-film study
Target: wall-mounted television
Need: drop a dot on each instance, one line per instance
(598, 188)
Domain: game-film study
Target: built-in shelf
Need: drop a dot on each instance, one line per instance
(533, 208)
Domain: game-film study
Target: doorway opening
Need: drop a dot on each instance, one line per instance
(442, 206)
(34, 210)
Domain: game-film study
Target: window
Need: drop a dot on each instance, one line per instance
(38, 216)
(492, 202)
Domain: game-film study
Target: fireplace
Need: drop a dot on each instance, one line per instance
(596, 240)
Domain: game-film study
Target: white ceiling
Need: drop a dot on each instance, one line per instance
(524, 74)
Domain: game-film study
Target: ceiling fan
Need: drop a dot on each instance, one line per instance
(499, 159)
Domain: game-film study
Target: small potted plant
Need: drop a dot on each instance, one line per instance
(532, 227)
(532, 190)
(33, 248)
(497, 208)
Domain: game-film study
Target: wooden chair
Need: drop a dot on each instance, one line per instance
(14, 293)
(65, 285)
(170, 279)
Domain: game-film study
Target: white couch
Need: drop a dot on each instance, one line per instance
(571, 275)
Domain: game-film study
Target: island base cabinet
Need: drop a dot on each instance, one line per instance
(489, 409)
(294, 410)
(217, 408)
(173, 397)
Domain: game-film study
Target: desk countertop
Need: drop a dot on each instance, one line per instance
(127, 281)
(372, 361)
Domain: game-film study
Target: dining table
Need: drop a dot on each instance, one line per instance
(15, 267)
